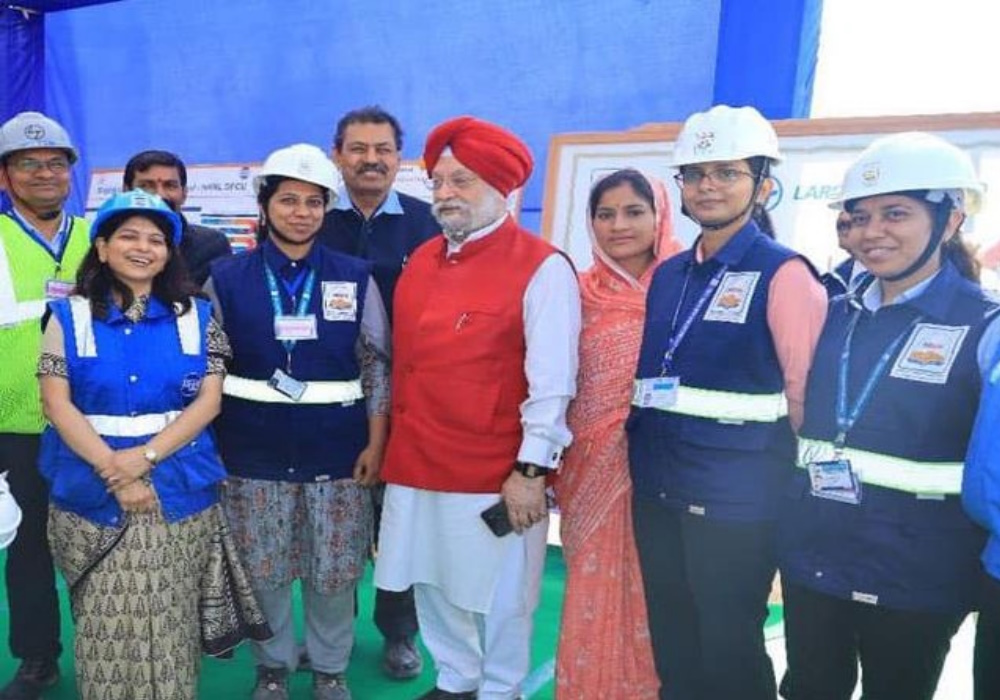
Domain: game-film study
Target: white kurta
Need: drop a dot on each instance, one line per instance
(439, 538)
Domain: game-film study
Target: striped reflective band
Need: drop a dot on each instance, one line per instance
(911, 476)
(132, 426)
(13, 312)
(188, 328)
(315, 393)
(729, 406)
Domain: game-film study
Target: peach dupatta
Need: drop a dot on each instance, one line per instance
(604, 645)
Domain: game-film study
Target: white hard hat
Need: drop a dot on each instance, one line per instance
(10, 513)
(29, 130)
(725, 133)
(301, 161)
(913, 160)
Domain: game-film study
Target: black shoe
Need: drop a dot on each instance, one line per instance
(32, 679)
(401, 659)
(438, 694)
(272, 684)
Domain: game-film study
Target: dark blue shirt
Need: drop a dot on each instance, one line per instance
(386, 240)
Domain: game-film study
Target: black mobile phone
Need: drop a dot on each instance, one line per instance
(497, 519)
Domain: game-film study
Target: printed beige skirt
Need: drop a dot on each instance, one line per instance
(134, 594)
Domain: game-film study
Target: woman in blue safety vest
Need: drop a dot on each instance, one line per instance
(131, 376)
(981, 497)
(729, 332)
(304, 419)
(878, 560)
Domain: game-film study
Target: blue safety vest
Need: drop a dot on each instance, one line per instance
(262, 433)
(131, 380)
(726, 448)
(908, 544)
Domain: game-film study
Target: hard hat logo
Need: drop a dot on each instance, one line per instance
(704, 142)
(141, 201)
(871, 175)
(34, 132)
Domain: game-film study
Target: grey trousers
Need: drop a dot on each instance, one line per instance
(329, 629)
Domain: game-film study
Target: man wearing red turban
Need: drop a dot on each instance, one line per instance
(485, 357)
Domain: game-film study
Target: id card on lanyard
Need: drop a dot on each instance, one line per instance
(291, 328)
(837, 479)
(661, 392)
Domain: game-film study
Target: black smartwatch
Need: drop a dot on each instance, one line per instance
(532, 471)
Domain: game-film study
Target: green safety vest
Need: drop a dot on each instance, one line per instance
(25, 266)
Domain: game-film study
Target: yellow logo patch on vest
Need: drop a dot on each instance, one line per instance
(929, 353)
(340, 301)
(731, 301)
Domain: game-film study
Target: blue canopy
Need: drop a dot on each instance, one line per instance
(229, 82)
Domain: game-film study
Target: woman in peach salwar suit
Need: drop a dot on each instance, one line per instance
(604, 645)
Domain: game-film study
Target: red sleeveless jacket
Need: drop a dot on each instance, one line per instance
(458, 362)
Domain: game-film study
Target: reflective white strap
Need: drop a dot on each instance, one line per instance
(922, 478)
(83, 327)
(132, 426)
(189, 331)
(13, 312)
(729, 406)
(316, 392)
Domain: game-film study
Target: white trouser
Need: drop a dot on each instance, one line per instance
(329, 629)
(488, 652)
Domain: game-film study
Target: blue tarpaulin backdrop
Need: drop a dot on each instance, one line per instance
(231, 81)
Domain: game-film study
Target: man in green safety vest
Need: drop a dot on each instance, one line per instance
(41, 247)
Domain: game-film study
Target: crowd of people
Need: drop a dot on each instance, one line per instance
(187, 433)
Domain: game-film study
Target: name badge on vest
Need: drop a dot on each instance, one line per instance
(340, 301)
(295, 327)
(287, 385)
(929, 353)
(835, 480)
(655, 392)
(731, 301)
(58, 289)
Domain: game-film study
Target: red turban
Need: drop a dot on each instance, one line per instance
(490, 151)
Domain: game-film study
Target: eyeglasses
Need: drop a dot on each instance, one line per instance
(31, 166)
(723, 177)
(460, 182)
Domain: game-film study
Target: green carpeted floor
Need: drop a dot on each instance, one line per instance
(233, 679)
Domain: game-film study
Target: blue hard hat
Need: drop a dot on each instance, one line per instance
(140, 203)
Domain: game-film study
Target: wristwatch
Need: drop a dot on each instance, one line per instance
(532, 471)
(151, 455)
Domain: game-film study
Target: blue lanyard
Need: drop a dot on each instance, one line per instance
(846, 418)
(676, 336)
(301, 308)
